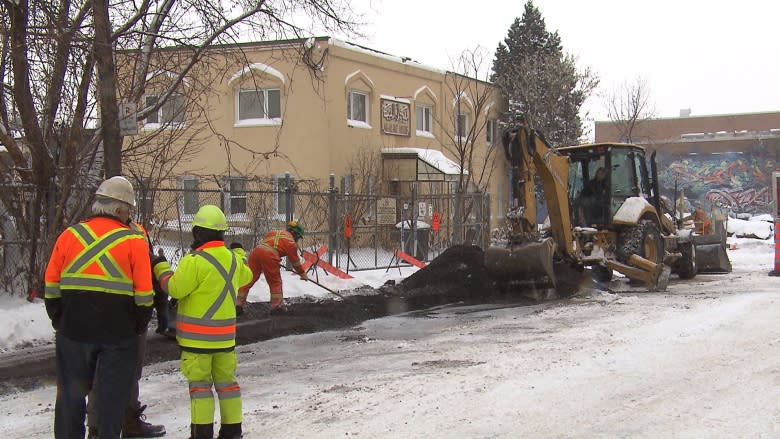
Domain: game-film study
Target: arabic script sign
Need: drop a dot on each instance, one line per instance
(395, 117)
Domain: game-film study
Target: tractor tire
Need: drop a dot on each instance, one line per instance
(644, 240)
(686, 267)
(601, 274)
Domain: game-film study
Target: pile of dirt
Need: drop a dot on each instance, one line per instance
(459, 273)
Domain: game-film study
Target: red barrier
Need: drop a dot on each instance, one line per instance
(311, 258)
(776, 272)
(320, 251)
(409, 259)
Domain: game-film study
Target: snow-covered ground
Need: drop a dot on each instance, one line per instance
(699, 360)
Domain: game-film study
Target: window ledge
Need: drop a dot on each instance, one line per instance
(425, 134)
(257, 123)
(358, 124)
(164, 126)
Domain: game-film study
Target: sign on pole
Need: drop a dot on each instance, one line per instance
(348, 227)
(128, 126)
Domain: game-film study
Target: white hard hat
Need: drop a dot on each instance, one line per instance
(117, 188)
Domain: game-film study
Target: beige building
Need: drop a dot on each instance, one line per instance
(312, 108)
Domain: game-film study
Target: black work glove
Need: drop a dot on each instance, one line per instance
(235, 245)
(239, 310)
(157, 259)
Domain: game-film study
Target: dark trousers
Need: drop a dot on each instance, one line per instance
(134, 402)
(111, 367)
(161, 308)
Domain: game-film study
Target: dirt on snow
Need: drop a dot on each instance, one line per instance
(458, 275)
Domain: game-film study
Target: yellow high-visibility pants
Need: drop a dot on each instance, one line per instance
(217, 370)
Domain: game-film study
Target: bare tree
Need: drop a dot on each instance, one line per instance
(468, 123)
(628, 105)
(57, 73)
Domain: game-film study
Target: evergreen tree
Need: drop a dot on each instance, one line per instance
(540, 81)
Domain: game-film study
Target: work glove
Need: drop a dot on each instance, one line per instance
(238, 250)
(160, 265)
(158, 259)
(304, 276)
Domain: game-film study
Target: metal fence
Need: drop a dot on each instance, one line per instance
(380, 224)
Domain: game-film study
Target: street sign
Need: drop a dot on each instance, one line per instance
(348, 227)
(436, 222)
(128, 126)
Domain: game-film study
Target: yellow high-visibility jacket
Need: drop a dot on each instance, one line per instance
(205, 284)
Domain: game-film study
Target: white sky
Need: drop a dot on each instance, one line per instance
(713, 57)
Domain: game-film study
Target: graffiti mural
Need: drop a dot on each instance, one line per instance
(739, 181)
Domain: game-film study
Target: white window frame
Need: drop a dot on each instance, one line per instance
(426, 130)
(461, 128)
(233, 194)
(158, 120)
(351, 119)
(491, 129)
(264, 119)
(196, 202)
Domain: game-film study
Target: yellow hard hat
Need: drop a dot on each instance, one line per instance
(117, 188)
(210, 217)
(295, 228)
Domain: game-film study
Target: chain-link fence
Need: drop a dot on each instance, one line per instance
(350, 231)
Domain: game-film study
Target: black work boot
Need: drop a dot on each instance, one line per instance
(135, 425)
(201, 431)
(230, 431)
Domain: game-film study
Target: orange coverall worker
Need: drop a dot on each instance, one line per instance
(99, 299)
(266, 258)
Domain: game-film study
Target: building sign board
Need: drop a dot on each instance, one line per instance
(385, 211)
(396, 117)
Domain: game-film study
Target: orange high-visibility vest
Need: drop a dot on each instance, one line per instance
(100, 256)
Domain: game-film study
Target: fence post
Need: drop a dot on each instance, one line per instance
(458, 216)
(289, 204)
(332, 215)
(486, 219)
(415, 214)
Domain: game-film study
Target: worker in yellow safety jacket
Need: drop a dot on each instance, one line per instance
(205, 284)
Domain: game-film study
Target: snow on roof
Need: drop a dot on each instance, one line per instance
(260, 67)
(435, 158)
(379, 54)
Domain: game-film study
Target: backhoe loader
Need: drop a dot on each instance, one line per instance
(615, 224)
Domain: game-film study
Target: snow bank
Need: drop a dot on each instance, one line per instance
(749, 229)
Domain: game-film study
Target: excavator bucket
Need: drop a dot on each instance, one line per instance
(711, 256)
(529, 263)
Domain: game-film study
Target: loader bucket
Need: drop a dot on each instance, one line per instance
(711, 256)
(526, 263)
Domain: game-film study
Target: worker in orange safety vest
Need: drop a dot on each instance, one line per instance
(99, 298)
(266, 259)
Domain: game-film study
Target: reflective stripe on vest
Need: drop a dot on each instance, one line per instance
(207, 328)
(97, 250)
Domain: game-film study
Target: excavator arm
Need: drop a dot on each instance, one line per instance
(530, 155)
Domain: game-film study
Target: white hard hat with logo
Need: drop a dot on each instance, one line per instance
(117, 188)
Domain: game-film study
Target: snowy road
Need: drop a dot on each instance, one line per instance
(701, 360)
